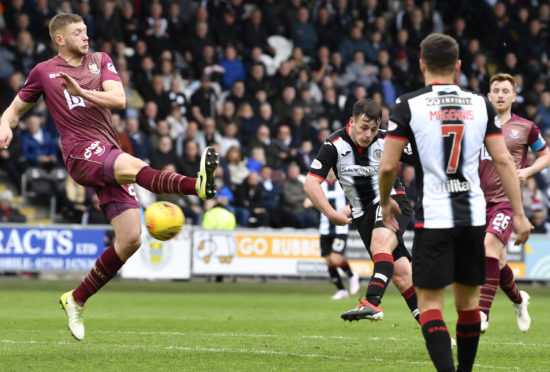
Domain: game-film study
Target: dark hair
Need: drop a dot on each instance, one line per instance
(368, 108)
(439, 53)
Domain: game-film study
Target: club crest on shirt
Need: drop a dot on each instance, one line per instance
(378, 154)
(316, 164)
(94, 69)
(514, 133)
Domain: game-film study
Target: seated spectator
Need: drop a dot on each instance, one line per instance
(162, 128)
(148, 118)
(139, 140)
(229, 139)
(235, 167)
(39, 148)
(250, 196)
(263, 140)
(164, 154)
(356, 42)
(303, 33)
(249, 123)
(234, 68)
(305, 156)
(12, 160)
(201, 101)
(134, 100)
(72, 202)
(360, 72)
(178, 122)
(295, 209)
(159, 96)
(538, 220)
(209, 135)
(7, 212)
(191, 161)
(238, 94)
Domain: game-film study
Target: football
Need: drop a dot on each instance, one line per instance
(164, 220)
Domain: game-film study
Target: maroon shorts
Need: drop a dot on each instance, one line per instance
(499, 220)
(91, 164)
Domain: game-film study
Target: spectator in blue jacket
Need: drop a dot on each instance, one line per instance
(354, 42)
(38, 146)
(234, 68)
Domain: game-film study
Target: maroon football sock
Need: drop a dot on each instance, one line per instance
(438, 340)
(467, 338)
(381, 275)
(412, 301)
(165, 182)
(508, 284)
(105, 268)
(489, 289)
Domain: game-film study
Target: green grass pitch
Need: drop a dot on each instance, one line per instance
(198, 326)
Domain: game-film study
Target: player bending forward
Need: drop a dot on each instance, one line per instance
(354, 153)
(79, 90)
(519, 135)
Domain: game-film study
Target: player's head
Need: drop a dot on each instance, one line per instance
(365, 121)
(439, 55)
(68, 31)
(502, 91)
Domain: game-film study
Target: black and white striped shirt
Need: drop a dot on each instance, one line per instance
(446, 127)
(355, 167)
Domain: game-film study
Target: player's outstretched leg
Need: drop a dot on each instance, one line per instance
(206, 188)
(166, 182)
(74, 315)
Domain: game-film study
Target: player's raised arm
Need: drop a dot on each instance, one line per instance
(112, 96)
(542, 162)
(313, 189)
(10, 118)
(506, 168)
(387, 172)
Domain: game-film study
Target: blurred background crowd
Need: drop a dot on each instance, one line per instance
(263, 81)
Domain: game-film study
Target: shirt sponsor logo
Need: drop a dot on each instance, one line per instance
(94, 69)
(94, 148)
(452, 186)
(358, 170)
(452, 115)
(514, 133)
(448, 100)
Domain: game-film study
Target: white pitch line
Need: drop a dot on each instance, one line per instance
(250, 335)
(247, 351)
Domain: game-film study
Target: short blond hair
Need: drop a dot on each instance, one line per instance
(61, 21)
(502, 77)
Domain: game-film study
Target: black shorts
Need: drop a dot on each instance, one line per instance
(373, 219)
(444, 256)
(333, 243)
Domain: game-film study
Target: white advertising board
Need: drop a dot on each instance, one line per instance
(257, 252)
(156, 259)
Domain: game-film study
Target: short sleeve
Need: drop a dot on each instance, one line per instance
(32, 89)
(400, 117)
(325, 159)
(108, 70)
(535, 140)
(493, 125)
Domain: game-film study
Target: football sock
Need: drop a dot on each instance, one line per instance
(438, 340)
(489, 289)
(105, 268)
(508, 284)
(165, 182)
(345, 266)
(467, 338)
(381, 275)
(335, 277)
(412, 302)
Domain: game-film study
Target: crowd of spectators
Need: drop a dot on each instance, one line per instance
(266, 82)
